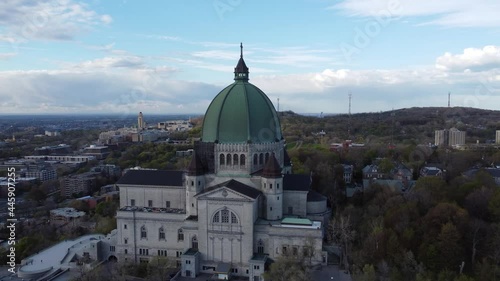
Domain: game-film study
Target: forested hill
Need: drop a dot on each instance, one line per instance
(407, 125)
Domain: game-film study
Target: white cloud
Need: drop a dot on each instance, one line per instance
(25, 20)
(451, 13)
(4, 56)
(113, 62)
(126, 84)
(472, 59)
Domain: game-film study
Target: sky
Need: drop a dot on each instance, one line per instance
(173, 57)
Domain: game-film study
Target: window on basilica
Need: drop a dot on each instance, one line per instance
(260, 247)
(255, 160)
(180, 235)
(242, 160)
(216, 217)
(194, 242)
(221, 160)
(228, 159)
(144, 233)
(161, 233)
(225, 216)
(235, 159)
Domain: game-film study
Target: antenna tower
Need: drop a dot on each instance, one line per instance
(349, 122)
(449, 99)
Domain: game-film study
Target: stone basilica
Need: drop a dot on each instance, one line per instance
(236, 208)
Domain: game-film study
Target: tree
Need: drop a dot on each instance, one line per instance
(37, 195)
(451, 252)
(368, 274)
(342, 233)
(287, 269)
(159, 267)
(436, 186)
(494, 205)
(309, 249)
(386, 165)
(476, 233)
(106, 209)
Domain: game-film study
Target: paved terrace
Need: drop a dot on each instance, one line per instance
(52, 258)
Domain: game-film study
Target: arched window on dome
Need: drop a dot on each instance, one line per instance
(255, 159)
(228, 159)
(261, 159)
(144, 233)
(222, 159)
(267, 157)
(235, 159)
(242, 160)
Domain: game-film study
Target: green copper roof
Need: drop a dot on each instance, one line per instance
(241, 113)
(296, 221)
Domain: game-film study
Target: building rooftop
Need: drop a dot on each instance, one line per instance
(296, 221)
(153, 210)
(191, 252)
(152, 177)
(53, 257)
(237, 187)
(296, 182)
(67, 212)
(313, 196)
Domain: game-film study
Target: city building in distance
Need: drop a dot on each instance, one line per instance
(452, 137)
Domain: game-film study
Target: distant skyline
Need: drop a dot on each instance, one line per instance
(173, 57)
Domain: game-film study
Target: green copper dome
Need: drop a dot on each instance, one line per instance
(241, 113)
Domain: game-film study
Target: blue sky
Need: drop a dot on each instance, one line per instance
(124, 56)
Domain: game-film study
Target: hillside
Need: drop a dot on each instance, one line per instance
(408, 125)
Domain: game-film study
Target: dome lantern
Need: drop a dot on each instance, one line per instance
(241, 69)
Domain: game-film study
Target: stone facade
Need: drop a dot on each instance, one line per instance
(238, 205)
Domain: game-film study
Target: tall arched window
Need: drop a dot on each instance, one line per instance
(242, 160)
(161, 234)
(260, 247)
(221, 159)
(180, 235)
(144, 233)
(228, 159)
(234, 219)
(225, 216)
(261, 159)
(255, 159)
(235, 159)
(267, 157)
(194, 242)
(216, 217)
